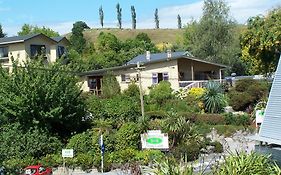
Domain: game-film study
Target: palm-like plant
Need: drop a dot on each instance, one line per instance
(213, 98)
(244, 164)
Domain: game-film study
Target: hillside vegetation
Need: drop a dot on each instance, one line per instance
(172, 36)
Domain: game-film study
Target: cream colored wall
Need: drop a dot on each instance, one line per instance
(84, 84)
(146, 74)
(41, 40)
(17, 51)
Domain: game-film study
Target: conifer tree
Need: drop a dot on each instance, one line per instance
(2, 34)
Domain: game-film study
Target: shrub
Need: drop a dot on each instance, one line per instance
(147, 156)
(128, 136)
(110, 86)
(247, 92)
(231, 119)
(188, 152)
(218, 146)
(243, 84)
(161, 93)
(196, 93)
(211, 119)
(239, 100)
(132, 91)
(81, 143)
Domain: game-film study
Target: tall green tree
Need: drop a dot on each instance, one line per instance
(101, 16)
(179, 22)
(261, 42)
(119, 15)
(134, 17)
(77, 38)
(47, 97)
(156, 19)
(212, 37)
(2, 34)
(28, 29)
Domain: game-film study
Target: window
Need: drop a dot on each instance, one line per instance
(60, 51)
(36, 50)
(125, 78)
(165, 76)
(158, 77)
(3, 52)
(41, 169)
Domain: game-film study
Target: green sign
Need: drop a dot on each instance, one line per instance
(154, 140)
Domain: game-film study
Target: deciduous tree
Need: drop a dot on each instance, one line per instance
(77, 38)
(28, 29)
(212, 37)
(44, 96)
(261, 43)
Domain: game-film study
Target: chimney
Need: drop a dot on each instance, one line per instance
(148, 55)
(169, 53)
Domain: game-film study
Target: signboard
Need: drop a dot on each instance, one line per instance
(259, 117)
(67, 153)
(154, 139)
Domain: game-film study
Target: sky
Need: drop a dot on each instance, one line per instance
(61, 14)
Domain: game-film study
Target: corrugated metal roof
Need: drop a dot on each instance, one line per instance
(271, 126)
(154, 57)
(158, 57)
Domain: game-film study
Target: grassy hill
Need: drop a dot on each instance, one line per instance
(157, 36)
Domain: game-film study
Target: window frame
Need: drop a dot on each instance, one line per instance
(5, 55)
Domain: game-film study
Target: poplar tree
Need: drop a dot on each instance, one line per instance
(134, 15)
(156, 19)
(119, 15)
(179, 22)
(101, 16)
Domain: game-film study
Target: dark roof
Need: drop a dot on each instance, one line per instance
(16, 39)
(158, 57)
(58, 38)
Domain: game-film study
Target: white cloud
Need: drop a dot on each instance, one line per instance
(240, 10)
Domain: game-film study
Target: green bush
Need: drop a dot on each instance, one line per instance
(211, 119)
(218, 146)
(187, 152)
(110, 86)
(147, 156)
(247, 92)
(231, 119)
(132, 91)
(128, 136)
(81, 143)
(160, 93)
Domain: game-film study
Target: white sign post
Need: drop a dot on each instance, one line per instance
(259, 117)
(66, 153)
(154, 139)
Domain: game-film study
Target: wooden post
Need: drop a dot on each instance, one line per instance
(192, 72)
(140, 87)
(220, 76)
